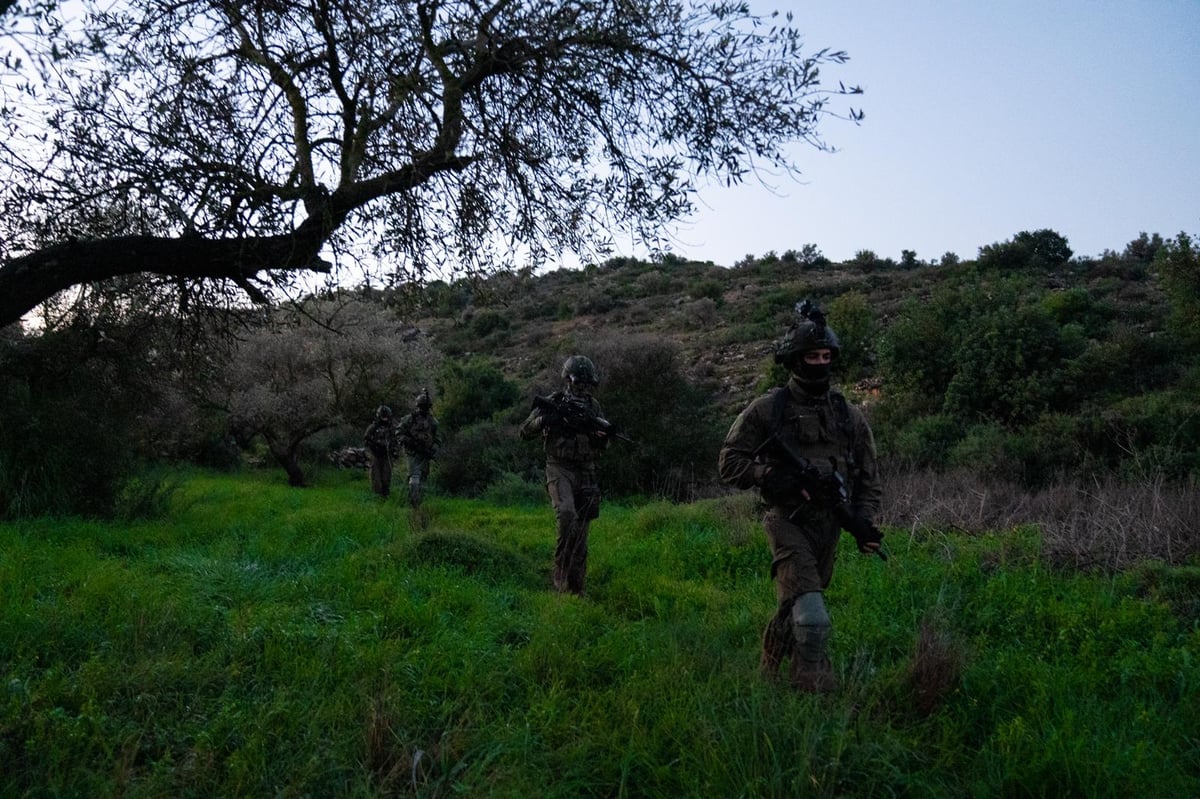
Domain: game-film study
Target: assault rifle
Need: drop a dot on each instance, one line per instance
(410, 443)
(574, 414)
(822, 487)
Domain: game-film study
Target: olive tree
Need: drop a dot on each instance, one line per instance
(274, 141)
(313, 371)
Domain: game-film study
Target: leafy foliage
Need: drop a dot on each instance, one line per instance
(472, 390)
(71, 402)
(1179, 264)
(1039, 250)
(995, 370)
(645, 392)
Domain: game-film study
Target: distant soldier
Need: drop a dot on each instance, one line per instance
(572, 446)
(380, 440)
(812, 455)
(419, 435)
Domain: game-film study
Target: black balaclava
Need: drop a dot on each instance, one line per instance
(812, 377)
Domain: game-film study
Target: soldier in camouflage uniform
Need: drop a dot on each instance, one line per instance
(380, 440)
(571, 479)
(420, 437)
(806, 508)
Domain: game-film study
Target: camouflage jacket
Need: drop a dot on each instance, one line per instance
(562, 444)
(380, 439)
(821, 427)
(419, 434)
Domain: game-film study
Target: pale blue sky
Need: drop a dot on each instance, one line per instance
(984, 118)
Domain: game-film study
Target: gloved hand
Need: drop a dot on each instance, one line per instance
(866, 534)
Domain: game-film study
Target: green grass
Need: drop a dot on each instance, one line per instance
(261, 640)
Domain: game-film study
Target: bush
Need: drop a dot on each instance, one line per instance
(480, 455)
(644, 390)
(515, 489)
(146, 496)
(67, 442)
(1155, 434)
(851, 318)
(708, 288)
(488, 321)
(985, 449)
(926, 441)
(472, 391)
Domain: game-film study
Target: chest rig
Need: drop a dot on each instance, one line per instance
(821, 429)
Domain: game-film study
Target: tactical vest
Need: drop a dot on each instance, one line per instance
(820, 429)
(573, 447)
(420, 431)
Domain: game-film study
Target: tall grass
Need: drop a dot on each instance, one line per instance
(263, 640)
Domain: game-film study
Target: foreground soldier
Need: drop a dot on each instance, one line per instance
(420, 437)
(571, 452)
(812, 455)
(380, 440)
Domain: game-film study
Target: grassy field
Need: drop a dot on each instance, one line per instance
(260, 640)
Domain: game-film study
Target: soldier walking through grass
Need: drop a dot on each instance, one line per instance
(420, 436)
(381, 444)
(574, 432)
(812, 456)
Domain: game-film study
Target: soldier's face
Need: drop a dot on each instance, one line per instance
(822, 357)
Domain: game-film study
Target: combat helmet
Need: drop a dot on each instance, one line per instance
(579, 369)
(383, 413)
(809, 332)
(424, 403)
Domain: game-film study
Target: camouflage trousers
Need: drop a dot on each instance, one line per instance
(802, 560)
(381, 473)
(418, 476)
(575, 497)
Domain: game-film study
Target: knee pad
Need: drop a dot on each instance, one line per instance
(811, 625)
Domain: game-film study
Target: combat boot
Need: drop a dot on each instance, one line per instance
(811, 670)
(813, 677)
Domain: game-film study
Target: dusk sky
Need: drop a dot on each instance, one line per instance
(983, 119)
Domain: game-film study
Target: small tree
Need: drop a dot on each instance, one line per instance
(1040, 250)
(309, 372)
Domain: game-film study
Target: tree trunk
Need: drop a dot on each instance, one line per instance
(287, 457)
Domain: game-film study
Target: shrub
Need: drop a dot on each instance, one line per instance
(645, 391)
(708, 288)
(1158, 433)
(925, 441)
(146, 496)
(851, 318)
(479, 455)
(471, 391)
(985, 449)
(68, 439)
(488, 321)
(1039, 250)
(515, 489)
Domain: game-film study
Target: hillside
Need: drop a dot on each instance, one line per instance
(724, 319)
